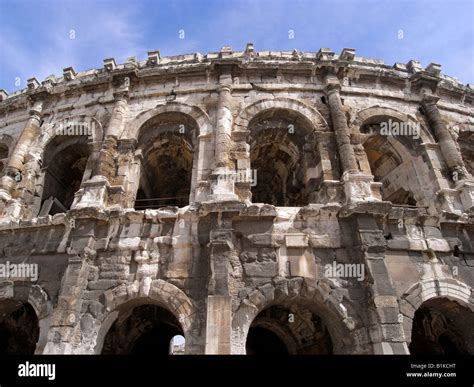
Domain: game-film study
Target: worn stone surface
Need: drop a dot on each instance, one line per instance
(252, 202)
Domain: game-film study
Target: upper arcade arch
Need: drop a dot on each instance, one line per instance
(169, 137)
(313, 118)
(202, 122)
(79, 126)
(63, 149)
(392, 144)
(6, 146)
(376, 113)
(465, 140)
(285, 151)
(168, 145)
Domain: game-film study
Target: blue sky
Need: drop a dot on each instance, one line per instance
(35, 35)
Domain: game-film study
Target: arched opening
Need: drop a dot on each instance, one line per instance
(390, 146)
(3, 155)
(283, 157)
(64, 166)
(167, 145)
(142, 330)
(466, 145)
(19, 328)
(278, 330)
(177, 345)
(444, 327)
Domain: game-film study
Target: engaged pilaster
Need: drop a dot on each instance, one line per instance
(9, 201)
(463, 188)
(341, 129)
(357, 186)
(446, 142)
(222, 178)
(94, 192)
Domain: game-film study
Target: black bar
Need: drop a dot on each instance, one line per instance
(245, 370)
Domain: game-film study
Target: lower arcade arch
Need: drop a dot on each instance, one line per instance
(146, 329)
(442, 327)
(19, 328)
(282, 330)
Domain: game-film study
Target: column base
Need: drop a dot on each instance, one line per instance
(12, 211)
(202, 191)
(359, 187)
(92, 194)
(448, 201)
(331, 192)
(222, 183)
(465, 189)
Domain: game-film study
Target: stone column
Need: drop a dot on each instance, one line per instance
(106, 162)
(341, 129)
(224, 171)
(94, 192)
(224, 123)
(15, 164)
(448, 147)
(461, 198)
(357, 186)
(28, 136)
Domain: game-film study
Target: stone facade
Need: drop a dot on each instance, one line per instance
(250, 201)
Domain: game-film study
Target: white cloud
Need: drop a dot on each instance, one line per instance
(98, 33)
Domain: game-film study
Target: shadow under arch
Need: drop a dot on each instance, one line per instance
(6, 147)
(168, 145)
(64, 166)
(465, 141)
(142, 328)
(442, 326)
(288, 329)
(24, 311)
(19, 328)
(436, 307)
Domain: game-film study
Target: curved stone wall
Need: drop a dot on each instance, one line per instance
(301, 202)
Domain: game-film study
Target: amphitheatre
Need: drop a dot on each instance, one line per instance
(203, 196)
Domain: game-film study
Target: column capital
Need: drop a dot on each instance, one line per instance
(36, 109)
(333, 87)
(429, 99)
(332, 83)
(121, 95)
(35, 113)
(225, 87)
(225, 79)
